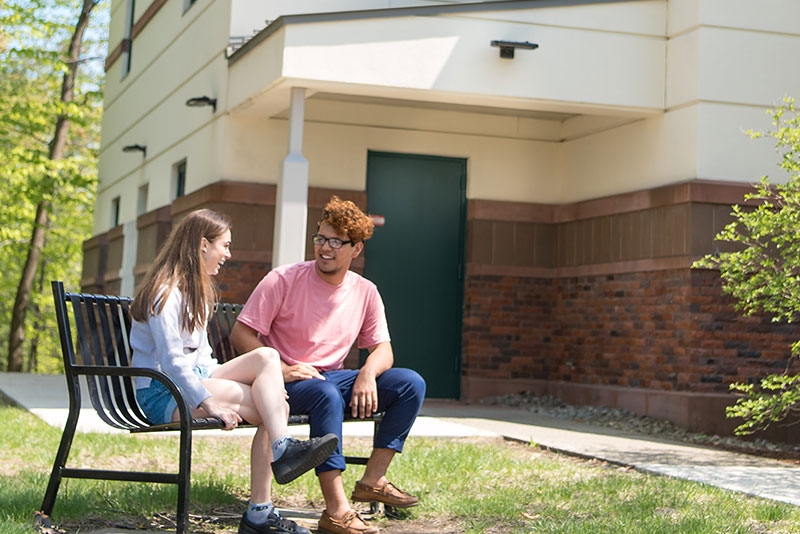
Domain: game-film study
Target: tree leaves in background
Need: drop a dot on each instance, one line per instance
(34, 39)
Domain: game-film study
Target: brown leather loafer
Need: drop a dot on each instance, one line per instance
(388, 493)
(351, 523)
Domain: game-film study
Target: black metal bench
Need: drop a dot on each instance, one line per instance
(102, 324)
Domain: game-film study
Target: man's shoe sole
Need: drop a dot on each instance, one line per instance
(319, 456)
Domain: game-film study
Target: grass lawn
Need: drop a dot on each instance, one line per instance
(464, 485)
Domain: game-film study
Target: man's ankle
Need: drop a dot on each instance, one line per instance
(373, 482)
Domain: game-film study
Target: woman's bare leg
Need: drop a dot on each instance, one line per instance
(264, 401)
(260, 472)
(252, 385)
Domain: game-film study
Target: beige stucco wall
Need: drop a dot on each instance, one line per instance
(655, 92)
(725, 67)
(171, 63)
(450, 56)
(778, 16)
(253, 149)
(116, 26)
(337, 153)
(509, 158)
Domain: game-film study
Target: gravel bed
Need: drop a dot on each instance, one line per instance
(631, 422)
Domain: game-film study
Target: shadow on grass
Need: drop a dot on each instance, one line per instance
(87, 505)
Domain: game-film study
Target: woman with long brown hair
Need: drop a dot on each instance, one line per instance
(170, 312)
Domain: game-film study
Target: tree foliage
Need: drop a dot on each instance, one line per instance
(35, 62)
(762, 272)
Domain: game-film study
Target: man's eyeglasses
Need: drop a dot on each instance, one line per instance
(333, 242)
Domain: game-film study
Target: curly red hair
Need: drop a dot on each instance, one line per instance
(345, 217)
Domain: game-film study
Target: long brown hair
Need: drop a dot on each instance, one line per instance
(180, 263)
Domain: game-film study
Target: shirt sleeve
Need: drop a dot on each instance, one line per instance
(170, 350)
(375, 328)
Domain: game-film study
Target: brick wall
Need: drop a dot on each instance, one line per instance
(667, 330)
(508, 327)
(237, 279)
(727, 347)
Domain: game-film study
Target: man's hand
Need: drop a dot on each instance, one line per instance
(301, 371)
(364, 401)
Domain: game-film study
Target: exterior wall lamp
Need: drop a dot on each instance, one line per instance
(199, 101)
(507, 47)
(135, 148)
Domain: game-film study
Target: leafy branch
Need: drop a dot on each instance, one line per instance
(761, 269)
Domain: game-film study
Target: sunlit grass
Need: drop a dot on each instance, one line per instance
(464, 485)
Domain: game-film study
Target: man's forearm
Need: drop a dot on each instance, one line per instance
(244, 338)
(379, 360)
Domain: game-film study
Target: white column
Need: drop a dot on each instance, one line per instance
(129, 244)
(291, 202)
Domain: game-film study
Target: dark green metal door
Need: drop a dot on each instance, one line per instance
(416, 258)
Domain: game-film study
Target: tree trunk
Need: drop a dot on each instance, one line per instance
(16, 337)
(38, 323)
(17, 334)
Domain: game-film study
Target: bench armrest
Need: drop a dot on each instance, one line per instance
(130, 372)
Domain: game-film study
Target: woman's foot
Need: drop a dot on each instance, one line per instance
(300, 456)
(274, 523)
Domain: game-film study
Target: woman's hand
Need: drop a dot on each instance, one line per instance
(230, 418)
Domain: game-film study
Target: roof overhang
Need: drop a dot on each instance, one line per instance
(595, 58)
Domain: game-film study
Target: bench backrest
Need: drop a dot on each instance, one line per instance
(102, 326)
(102, 331)
(220, 325)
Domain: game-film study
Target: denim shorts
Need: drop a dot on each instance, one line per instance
(157, 402)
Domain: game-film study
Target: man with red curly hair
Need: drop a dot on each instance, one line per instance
(312, 313)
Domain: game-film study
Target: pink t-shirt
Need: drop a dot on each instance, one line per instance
(308, 320)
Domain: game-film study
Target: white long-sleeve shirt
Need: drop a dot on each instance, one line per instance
(163, 344)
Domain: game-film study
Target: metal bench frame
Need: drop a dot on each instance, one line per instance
(102, 324)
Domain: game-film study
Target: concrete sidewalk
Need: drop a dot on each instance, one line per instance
(46, 396)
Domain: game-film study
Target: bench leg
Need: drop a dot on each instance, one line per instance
(60, 462)
(184, 482)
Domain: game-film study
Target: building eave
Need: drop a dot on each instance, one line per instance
(420, 11)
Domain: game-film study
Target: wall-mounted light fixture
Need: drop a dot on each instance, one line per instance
(507, 47)
(135, 148)
(199, 101)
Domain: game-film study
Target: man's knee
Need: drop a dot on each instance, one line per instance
(417, 384)
(410, 383)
